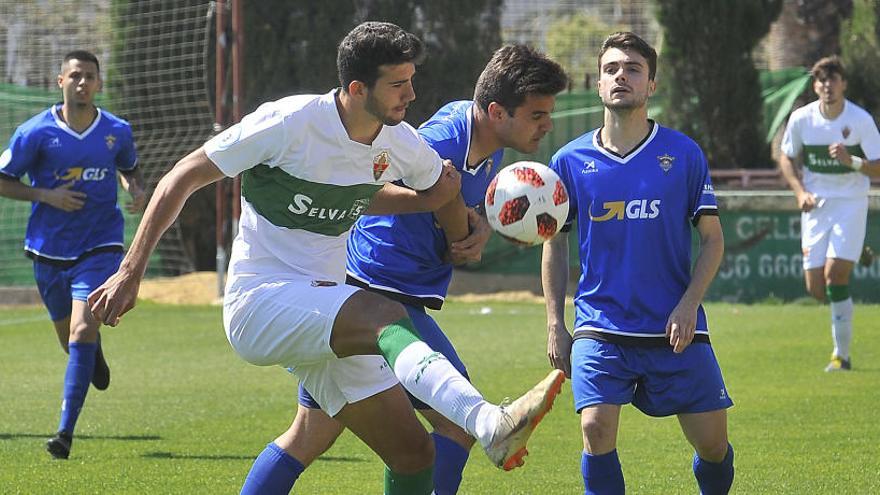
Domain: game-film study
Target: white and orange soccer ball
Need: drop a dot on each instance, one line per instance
(526, 203)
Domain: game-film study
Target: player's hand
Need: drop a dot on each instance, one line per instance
(63, 198)
(115, 297)
(681, 325)
(559, 348)
(806, 201)
(470, 249)
(839, 152)
(138, 201)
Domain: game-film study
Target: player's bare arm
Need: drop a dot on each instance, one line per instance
(393, 199)
(470, 249)
(806, 201)
(683, 320)
(453, 219)
(554, 280)
(118, 294)
(134, 184)
(62, 197)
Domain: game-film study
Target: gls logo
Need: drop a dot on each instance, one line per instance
(84, 174)
(633, 210)
(302, 205)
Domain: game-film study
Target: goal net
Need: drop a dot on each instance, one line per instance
(153, 56)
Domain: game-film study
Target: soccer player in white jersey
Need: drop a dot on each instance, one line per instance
(71, 153)
(837, 144)
(407, 257)
(636, 190)
(311, 165)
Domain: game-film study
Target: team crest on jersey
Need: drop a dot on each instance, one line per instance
(846, 131)
(489, 163)
(323, 283)
(380, 164)
(665, 161)
(110, 140)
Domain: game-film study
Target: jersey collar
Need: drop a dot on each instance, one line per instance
(597, 143)
(469, 118)
(59, 121)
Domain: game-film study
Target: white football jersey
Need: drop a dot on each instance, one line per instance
(809, 134)
(304, 183)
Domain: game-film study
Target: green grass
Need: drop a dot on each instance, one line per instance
(185, 415)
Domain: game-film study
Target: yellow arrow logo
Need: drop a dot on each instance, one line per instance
(615, 209)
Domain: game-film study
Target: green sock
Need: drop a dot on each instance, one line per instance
(837, 293)
(395, 338)
(421, 483)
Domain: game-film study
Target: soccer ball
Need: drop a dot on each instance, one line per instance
(526, 203)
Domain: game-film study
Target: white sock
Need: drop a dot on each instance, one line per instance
(432, 379)
(841, 326)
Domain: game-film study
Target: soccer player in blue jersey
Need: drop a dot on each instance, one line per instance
(641, 337)
(71, 153)
(405, 257)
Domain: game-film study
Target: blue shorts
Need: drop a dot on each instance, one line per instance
(431, 334)
(59, 286)
(655, 379)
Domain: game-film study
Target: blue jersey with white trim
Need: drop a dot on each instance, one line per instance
(634, 216)
(52, 154)
(402, 255)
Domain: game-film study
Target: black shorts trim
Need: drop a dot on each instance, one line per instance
(659, 341)
(70, 263)
(419, 302)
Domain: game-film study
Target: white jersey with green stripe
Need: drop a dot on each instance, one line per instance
(304, 183)
(809, 134)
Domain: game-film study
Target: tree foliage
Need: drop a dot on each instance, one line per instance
(707, 68)
(860, 47)
(291, 46)
(573, 40)
(822, 19)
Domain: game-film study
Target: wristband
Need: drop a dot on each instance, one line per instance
(857, 163)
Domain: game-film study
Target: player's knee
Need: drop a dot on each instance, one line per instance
(418, 455)
(599, 436)
(713, 450)
(83, 332)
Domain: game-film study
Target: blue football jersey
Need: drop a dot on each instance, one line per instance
(634, 215)
(402, 255)
(52, 154)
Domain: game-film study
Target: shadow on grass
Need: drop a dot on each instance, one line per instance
(172, 455)
(11, 436)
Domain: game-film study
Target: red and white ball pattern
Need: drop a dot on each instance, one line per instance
(526, 203)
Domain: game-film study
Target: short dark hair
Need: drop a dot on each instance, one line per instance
(83, 55)
(514, 72)
(625, 40)
(371, 45)
(827, 66)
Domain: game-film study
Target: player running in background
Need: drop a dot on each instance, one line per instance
(640, 332)
(71, 154)
(838, 145)
(405, 257)
(311, 165)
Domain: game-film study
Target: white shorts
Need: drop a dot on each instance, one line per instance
(287, 322)
(834, 230)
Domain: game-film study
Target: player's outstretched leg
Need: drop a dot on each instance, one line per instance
(431, 378)
(101, 375)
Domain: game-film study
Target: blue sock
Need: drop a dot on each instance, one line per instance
(449, 464)
(80, 366)
(274, 471)
(602, 474)
(714, 478)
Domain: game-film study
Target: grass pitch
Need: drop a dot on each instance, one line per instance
(185, 415)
